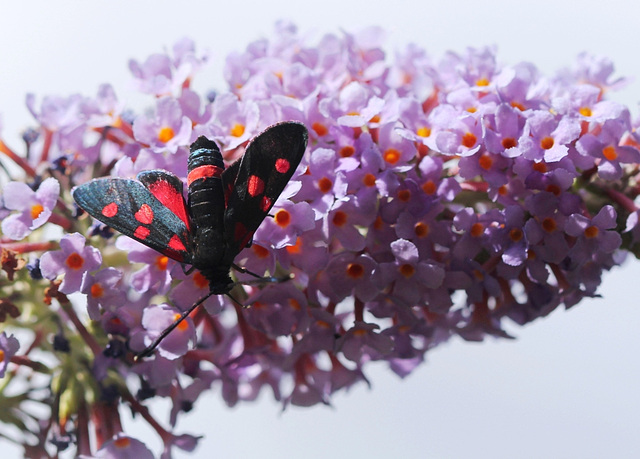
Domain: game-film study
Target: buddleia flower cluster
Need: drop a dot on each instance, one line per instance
(437, 198)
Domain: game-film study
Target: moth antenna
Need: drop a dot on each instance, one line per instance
(149, 349)
(264, 280)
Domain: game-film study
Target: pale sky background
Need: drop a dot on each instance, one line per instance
(568, 387)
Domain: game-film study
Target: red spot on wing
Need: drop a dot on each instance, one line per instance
(204, 172)
(141, 233)
(282, 165)
(171, 198)
(241, 235)
(266, 204)
(176, 244)
(255, 186)
(110, 210)
(145, 214)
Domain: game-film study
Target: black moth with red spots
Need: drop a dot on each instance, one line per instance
(224, 207)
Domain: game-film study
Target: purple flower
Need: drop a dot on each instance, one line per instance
(350, 274)
(362, 342)
(289, 221)
(167, 130)
(156, 272)
(73, 260)
(103, 290)
(342, 223)
(35, 207)
(410, 276)
(278, 310)
(235, 121)
(9, 345)
(437, 198)
(594, 235)
(606, 148)
(546, 137)
(155, 319)
(122, 446)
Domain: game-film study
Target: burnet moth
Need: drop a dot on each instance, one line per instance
(223, 210)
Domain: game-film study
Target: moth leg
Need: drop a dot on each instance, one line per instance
(187, 271)
(246, 271)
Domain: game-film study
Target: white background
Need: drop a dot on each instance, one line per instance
(566, 388)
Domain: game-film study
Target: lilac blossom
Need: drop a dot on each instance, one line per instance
(35, 207)
(73, 260)
(9, 345)
(437, 198)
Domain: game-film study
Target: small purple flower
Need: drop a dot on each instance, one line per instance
(289, 221)
(235, 121)
(103, 290)
(411, 277)
(156, 274)
(9, 345)
(278, 310)
(362, 342)
(342, 223)
(35, 207)
(546, 138)
(606, 148)
(156, 318)
(166, 130)
(594, 235)
(323, 182)
(191, 289)
(73, 260)
(123, 446)
(107, 108)
(350, 274)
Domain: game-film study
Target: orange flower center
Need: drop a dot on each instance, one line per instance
(509, 142)
(547, 143)
(485, 162)
(347, 151)
(429, 187)
(162, 262)
(339, 218)
(609, 152)
(585, 111)
(182, 326)
(75, 261)
(260, 251)
(404, 195)
(407, 270)
(122, 442)
(97, 291)
(369, 180)
(469, 140)
(36, 210)
(320, 129)
(293, 249)
(282, 218)
(515, 234)
(355, 270)
(325, 184)
(549, 225)
(421, 229)
(391, 155)
(591, 232)
(237, 130)
(477, 229)
(165, 134)
(423, 131)
(200, 280)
